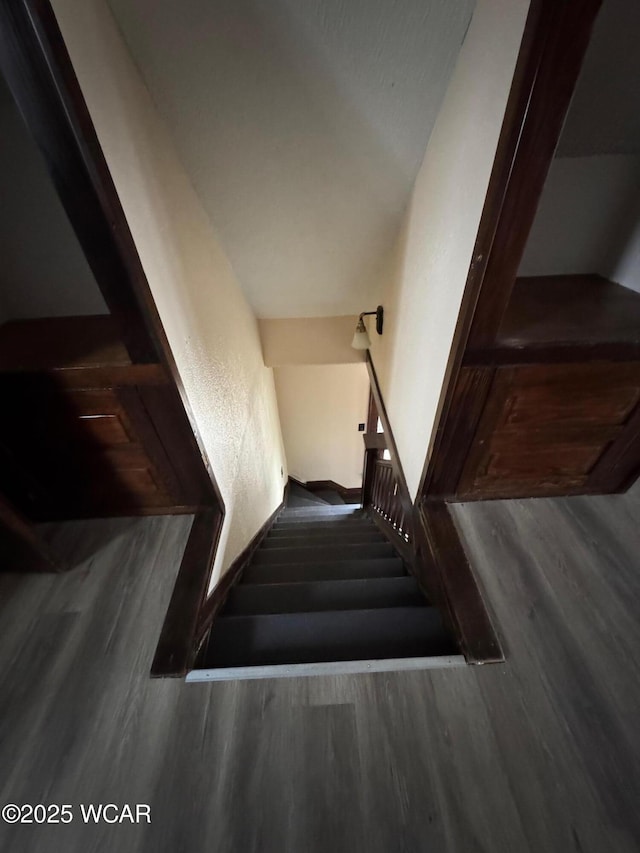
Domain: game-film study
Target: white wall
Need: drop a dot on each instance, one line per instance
(211, 329)
(588, 220)
(320, 409)
(427, 273)
(43, 272)
(309, 340)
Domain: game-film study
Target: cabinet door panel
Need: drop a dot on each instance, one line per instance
(545, 428)
(89, 450)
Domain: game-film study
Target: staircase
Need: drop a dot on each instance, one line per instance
(325, 592)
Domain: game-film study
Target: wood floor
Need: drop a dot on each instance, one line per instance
(541, 754)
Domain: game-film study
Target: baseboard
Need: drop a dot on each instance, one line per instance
(218, 596)
(450, 583)
(349, 496)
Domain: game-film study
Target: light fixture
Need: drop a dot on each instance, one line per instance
(361, 338)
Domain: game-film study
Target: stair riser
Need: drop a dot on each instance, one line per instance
(320, 527)
(322, 512)
(319, 571)
(326, 553)
(324, 595)
(347, 635)
(323, 539)
(326, 507)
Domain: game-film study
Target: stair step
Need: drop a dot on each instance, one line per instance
(332, 497)
(321, 571)
(258, 640)
(301, 526)
(302, 531)
(300, 497)
(322, 538)
(328, 507)
(303, 503)
(360, 594)
(313, 553)
(328, 511)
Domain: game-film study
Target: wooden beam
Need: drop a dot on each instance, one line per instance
(456, 592)
(177, 645)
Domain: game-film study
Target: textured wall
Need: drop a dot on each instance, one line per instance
(43, 272)
(588, 220)
(428, 271)
(309, 340)
(320, 409)
(302, 124)
(211, 329)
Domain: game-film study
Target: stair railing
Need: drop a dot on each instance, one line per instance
(382, 495)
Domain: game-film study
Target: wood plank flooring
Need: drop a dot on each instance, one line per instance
(539, 754)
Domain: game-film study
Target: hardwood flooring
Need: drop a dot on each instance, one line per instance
(541, 754)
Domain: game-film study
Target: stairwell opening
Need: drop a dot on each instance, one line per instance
(330, 586)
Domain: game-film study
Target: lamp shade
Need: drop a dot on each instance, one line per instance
(361, 338)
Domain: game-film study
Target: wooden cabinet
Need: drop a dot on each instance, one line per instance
(553, 407)
(547, 429)
(84, 431)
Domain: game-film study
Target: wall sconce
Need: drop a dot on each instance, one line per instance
(361, 338)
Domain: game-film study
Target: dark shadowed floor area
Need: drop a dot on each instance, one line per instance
(539, 754)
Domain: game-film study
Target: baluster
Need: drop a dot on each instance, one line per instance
(376, 488)
(388, 495)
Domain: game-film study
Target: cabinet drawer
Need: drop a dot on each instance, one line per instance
(97, 418)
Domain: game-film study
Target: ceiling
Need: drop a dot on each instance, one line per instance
(604, 117)
(302, 124)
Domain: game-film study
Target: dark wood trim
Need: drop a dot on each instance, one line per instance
(372, 414)
(470, 396)
(217, 598)
(619, 467)
(452, 585)
(613, 351)
(101, 377)
(177, 645)
(553, 46)
(166, 412)
(40, 75)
